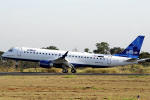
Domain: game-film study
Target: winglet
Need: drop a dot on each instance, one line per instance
(65, 54)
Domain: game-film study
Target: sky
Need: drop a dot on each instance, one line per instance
(70, 24)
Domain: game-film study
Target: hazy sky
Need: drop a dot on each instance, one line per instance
(70, 24)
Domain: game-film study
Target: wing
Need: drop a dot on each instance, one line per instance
(63, 61)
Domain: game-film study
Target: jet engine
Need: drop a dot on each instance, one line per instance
(46, 64)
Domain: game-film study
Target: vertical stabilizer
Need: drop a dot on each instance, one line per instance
(133, 50)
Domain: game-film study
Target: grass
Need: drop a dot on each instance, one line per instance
(72, 87)
(121, 69)
(70, 76)
(130, 99)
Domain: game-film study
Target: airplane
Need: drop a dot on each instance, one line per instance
(73, 60)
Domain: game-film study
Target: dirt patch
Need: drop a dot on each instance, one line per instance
(74, 87)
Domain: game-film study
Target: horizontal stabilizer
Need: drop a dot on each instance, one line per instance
(144, 60)
(131, 60)
(138, 60)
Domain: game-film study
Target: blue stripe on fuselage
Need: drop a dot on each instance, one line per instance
(74, 64)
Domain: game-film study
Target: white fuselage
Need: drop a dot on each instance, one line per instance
(75, 58)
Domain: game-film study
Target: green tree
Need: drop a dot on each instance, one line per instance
(145, 55)
(51, 48)
(116, 50)
(102, 48)
(1, 63)
(86, 50)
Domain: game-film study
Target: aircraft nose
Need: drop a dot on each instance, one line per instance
(3, 55)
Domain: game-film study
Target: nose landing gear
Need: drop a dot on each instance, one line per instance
(16, 65)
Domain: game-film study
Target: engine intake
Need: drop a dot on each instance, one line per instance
(46, 64)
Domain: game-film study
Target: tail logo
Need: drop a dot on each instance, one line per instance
(132, 52)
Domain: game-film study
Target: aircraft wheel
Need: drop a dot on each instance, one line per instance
(16, 66)
(65, 71)
(73, 70)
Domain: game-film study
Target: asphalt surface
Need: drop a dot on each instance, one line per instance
(47, 74)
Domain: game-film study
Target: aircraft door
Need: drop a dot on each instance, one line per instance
(109, 60)
(19, 51)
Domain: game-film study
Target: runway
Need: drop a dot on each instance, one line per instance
(50, 74)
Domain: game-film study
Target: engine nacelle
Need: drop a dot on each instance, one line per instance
(46, 64)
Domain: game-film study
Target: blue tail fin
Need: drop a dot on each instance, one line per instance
(133, 50)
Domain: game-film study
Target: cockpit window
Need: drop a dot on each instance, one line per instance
(10, 50)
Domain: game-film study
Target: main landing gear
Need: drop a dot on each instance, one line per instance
(73, 70)
(65, 70)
